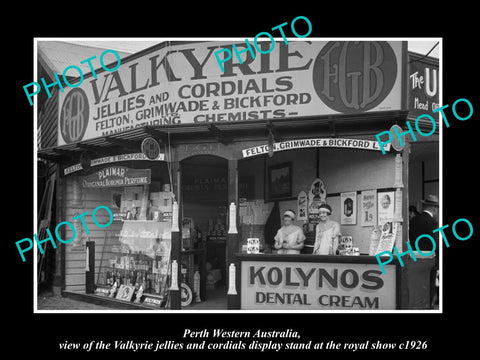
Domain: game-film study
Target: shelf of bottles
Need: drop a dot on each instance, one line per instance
(135, 266)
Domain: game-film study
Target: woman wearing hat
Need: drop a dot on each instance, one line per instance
(289, 238)
(327, 233)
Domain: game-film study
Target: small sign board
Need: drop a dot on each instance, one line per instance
(253, 245)
(153, 301)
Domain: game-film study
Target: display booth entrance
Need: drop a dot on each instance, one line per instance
(204, 194)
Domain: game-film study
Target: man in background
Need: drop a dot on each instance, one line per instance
(412, 211)
(425, 223)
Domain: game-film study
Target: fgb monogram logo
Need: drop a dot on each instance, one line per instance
(74, 116)
(354, 76)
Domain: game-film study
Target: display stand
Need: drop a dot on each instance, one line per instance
(137, 267)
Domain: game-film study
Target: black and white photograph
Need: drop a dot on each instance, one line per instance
(170, 140)
(267, 185)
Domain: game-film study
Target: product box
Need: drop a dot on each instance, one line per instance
(136, 203)
(166, 187)
(133, 190)
(166, 216)
(126, 204)
(127, 196)
(155, 195)
(166, 205)
(155, 203)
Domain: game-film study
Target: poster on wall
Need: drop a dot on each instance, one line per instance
(368, 208)
(317, 195)
(374, 239)
(302, 206)
(385, 207)
(387, 238)
(348, 203)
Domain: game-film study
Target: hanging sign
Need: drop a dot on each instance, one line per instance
(302, 206)
(112, 159)
(117, 176)
(423, 85)
(317, 196)
(396, 140)
(85, 160)
(315, 143)
(150, 148)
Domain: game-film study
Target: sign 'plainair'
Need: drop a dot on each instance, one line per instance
(262, 49)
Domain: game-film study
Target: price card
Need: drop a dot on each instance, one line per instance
(253, 245)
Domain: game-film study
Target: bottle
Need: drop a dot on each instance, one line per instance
(157, 283)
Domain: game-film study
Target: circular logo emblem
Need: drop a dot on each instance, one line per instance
(150, 148)
(354, 76)
(186, 295)
(396, 142)
(74, 116)
(85, 160)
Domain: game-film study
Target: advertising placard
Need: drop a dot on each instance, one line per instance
(317, 286)
(348, 203)
(181, 83)
(113, 176)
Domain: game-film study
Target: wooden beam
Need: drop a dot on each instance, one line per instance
(67, 154)
(63, 152)
(156, 134)
(331, 126)
(217, 133)
(52, 158)
(128, 144)
(92, 148)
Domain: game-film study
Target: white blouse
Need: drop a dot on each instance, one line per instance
(292, 235)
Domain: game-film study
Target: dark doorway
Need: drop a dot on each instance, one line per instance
(204, 196)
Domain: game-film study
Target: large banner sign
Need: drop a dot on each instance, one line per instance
(423, 86)
(181, 83)
(317, 286)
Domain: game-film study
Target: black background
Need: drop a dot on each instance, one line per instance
(42, 332)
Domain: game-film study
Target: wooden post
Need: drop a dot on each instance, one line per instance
(90, 267)
(232, 238)
(176, 251)
(402, 298)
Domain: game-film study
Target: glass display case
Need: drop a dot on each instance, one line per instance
(135, 265)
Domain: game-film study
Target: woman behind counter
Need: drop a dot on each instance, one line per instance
(290, 237)
(327, 233)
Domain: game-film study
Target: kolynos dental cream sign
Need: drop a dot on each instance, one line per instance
(316, 286)
(177, 83)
